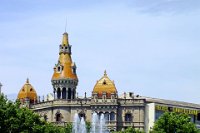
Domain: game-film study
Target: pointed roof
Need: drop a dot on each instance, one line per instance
(105, 85)
(63, 69)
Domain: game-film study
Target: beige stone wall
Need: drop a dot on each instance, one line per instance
(136, 108)
(69, 108)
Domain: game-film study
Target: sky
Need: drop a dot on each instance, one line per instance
(149, 47)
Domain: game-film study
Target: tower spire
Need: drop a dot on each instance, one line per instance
(27, 80)
(64, 74)
(65, 41)
(65, 24)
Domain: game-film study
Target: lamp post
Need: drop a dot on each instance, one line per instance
(0, 87)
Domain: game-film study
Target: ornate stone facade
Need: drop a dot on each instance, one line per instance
(126, 110)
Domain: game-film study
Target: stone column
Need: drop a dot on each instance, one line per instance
(57, 94)
(66, 93)
(61, 93)
(109, 117)
(74, 94)
(72, 91)
(115, 116)
(54, 94)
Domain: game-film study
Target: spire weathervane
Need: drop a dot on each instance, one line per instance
(105, 74)
(66, 24)
(27, 80)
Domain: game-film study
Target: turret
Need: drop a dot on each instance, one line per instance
(64, 79)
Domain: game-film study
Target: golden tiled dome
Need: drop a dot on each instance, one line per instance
(27, 91)
(105, 85)
(64, 68)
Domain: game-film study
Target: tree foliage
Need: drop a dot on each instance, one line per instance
(130, 130)
(14, 119)
(88, 126)
(171, 122)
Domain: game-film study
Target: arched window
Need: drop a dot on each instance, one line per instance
(58, 117)
(82, 115)
(100, 113)
(69, 93)
(45, 117)
(59, 69)
(58, 93)
(128, 117)
(73, 95)
(64, 93)
(104, 82)
(74, 70)
(106, 116)
(198, 117)
(112, 116)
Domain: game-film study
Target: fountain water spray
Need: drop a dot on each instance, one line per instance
(76, 124)
(82, 126)
(102, 124)
(94, 123)
(98, 124)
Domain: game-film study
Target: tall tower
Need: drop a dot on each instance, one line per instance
(64, 79)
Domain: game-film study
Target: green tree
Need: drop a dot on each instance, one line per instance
(88, 126)
(8, 115)
(171, 122)
(14, 119)
(130, 130)
(68, 128)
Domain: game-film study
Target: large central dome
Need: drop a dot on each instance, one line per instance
(105, 85)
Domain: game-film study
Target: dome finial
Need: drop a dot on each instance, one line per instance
(27, 80)
(105, 74)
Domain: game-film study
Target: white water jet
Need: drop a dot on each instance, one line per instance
(98, 124)
(94, 123)
(82, 126)
(102, 124)
(76, 124)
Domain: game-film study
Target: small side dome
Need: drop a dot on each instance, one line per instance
(105, 85)
(27, 91)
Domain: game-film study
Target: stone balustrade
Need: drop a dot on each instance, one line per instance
(61, 102)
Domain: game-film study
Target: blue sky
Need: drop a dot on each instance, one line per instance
(149, 47)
